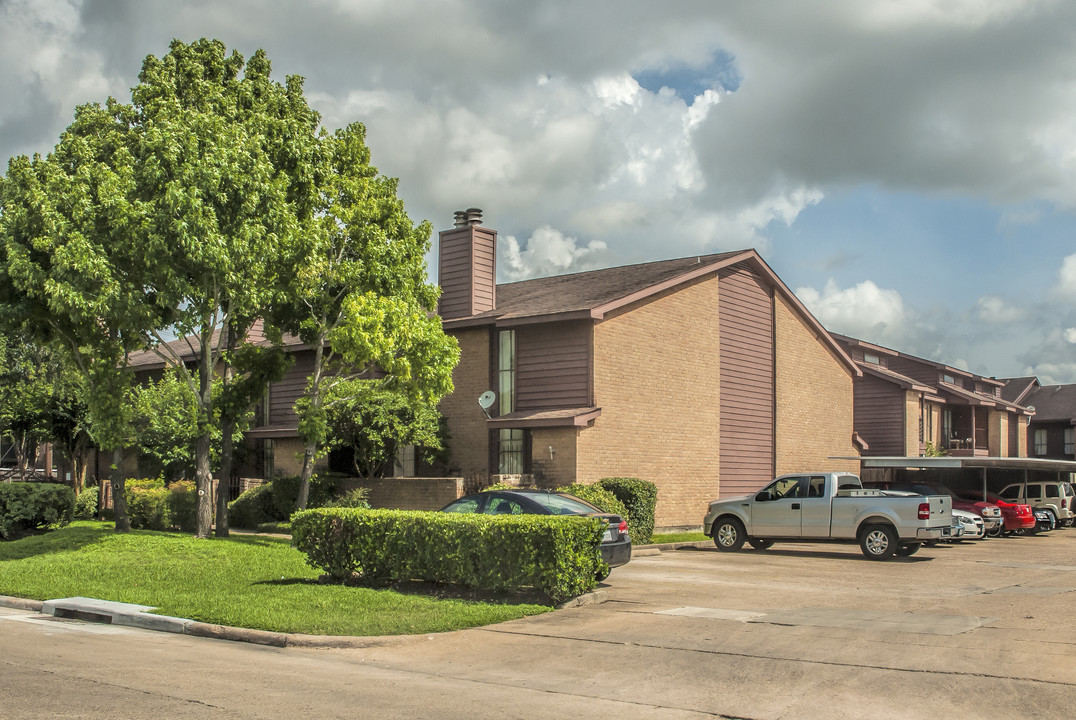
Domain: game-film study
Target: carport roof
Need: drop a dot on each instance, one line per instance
(1007, 463)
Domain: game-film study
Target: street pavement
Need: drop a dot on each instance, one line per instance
(980, 629)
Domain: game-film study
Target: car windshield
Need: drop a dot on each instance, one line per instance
(562, 504)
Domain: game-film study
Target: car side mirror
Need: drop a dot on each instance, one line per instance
(764, 496)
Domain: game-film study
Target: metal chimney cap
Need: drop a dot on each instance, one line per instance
(474, 216)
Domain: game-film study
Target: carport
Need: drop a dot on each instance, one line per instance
(965, 474)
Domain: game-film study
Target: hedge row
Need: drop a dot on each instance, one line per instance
(639, 497)
(275, 501)
(29, 506)
(555, 556)
(152, 505)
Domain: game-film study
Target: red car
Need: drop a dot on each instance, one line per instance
(1015, 516)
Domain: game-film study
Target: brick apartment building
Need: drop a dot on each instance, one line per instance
(704, 375)
(904, 402)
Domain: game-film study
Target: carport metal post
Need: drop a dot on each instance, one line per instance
(984, 484)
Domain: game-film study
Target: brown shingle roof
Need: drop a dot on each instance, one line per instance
(1053, 402)
(1016, 388)
(585, 291)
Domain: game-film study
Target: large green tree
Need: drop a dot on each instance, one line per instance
(375, 420)
(71, 269)
(361, 298)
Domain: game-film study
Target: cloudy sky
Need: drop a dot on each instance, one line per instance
(908, 167)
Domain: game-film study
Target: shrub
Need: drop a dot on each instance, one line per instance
(274, 501)
(556, 556)
(599, 498)
(147, 504)
(29, 506)
(252, 508)
(183, 505)
(86, 504)
(285, 494)
(355, 498)
(640, 498)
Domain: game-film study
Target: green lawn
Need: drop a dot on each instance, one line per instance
(677, 537)
(243, 581)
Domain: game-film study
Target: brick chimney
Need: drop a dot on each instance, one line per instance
(467, 267)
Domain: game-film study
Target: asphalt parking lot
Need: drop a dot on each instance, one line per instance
(980, 629)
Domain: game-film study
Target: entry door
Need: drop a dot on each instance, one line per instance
(779, 516)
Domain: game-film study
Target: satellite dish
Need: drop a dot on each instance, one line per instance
(486, 399)
(1031, 408)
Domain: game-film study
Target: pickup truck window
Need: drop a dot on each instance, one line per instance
(787, 487)
(817, 487)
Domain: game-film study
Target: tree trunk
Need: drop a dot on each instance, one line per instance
(309, 452)
(119, 501)
(224, 482)
(203, 479)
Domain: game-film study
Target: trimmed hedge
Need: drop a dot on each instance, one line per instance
(556, 556)
(600, 498)
(86, 504)
(151, 505)
(640, 498)
(29, 506)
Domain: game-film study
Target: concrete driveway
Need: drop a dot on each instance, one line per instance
(800, 631)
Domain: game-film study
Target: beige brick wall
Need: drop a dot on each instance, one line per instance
(1021, 436)
(814, 399)
(656, 380)
(288, 457)
(560, 469)
(997, 433)
(911, 423)
(469, 441)
(407, 493)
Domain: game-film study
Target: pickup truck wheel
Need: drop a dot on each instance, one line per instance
(760, 543)
(728, 534)
(878, 542)
(908, 549)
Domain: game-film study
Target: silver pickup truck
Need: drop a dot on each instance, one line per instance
(829, 506)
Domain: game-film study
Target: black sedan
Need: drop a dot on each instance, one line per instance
(616, 544)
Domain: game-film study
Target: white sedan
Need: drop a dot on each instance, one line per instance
(971, 523)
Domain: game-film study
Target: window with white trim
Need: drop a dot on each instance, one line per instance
(1070, 441)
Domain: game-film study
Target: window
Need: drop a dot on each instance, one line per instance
(1040, 442)
(817, 487)
(1034, 492)
(403, 464)
(1053, 490)
(510, 452)
(1070, 445)
(949, 379)
(871, 358)
(506, 371)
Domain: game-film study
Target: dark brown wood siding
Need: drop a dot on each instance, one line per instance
(283, 394)
(878, 415)
(466, 271)
(553, 365)
(747, 381)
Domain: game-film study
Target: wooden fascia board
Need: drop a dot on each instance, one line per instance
(599, 312)
(903, 382)
(580, 420)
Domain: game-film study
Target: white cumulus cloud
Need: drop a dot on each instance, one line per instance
(863, 310)
(547, 252)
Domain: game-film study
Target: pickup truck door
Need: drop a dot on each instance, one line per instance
(775, 510)
(815, 508)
